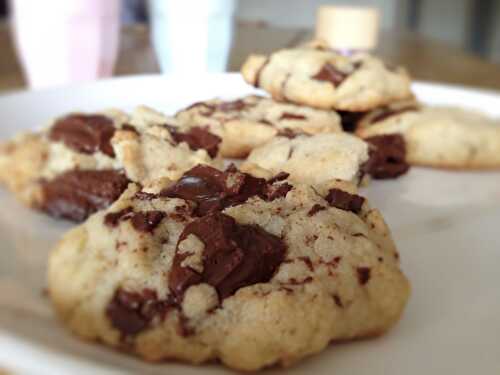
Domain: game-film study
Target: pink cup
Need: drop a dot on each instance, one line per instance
(65, 41)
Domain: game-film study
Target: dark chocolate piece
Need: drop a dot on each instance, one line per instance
(345, 201)
(387, 156)
(131, 312)
(315, 209)
(292, 116)
(279, 177)
(350, 120)
(113, 218)
(329, 73)
(85, 133)
(214, 190)
(234, 256)
(363, 274)
(76, 194)
(289, 133)
(147, 221)
(197, 138)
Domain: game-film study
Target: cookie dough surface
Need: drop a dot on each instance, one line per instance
(225, 266)
(249, 122)
(81, 163)
(326, 79)
(439, 137)
(312, 159)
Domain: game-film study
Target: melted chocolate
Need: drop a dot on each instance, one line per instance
(279, 177)
(214, 190)
(363, 275)
(85, 133)
(197, 138)
(234, 256)
(315, 209)
(329, 73)
(77, 194)
(387, 156)
(289, 133)
(345, 201)
(292, 116)
(147, 221)
(350, 120)
(113, 218)
(131, 312)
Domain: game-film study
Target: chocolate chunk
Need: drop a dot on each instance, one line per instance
(345, 201)
(289, 133)
(363, 274)
(387, 156)
(292, 116)
(350, 120)
(337, 300)
(131, 312)
(197, 138)
(147, 221)
(331, 74)
(234, 256)
(386, 112)
(294, 281)
(85, 133)
(143, 196)
(214, 190)
(236, 105)
(277, 191)
(113, 218)
(315, 209)
(279, 177)
(77, 194)
(266, 122)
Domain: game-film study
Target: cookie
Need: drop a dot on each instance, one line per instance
(247, 123)
(314, 159)
(81, 163)
(318, 159)
(326, 79)
(437, 137)
(225, 266)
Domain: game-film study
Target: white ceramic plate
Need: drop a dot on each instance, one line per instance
(446, 224)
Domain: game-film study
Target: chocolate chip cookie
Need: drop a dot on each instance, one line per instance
(312, 159)
(318, 159)
(249, 122)
(326, 79)
(437, 137)
(221, 265)
(81, 163)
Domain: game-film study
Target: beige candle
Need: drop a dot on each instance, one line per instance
(348, 28)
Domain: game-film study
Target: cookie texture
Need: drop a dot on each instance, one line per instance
(81, 162)
(225, 266)
(249, 122)
(326, 79)
(312, 159)
(440, 137)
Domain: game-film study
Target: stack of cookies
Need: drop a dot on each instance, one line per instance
(182, 256)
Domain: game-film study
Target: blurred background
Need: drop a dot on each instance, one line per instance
(453, 41)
